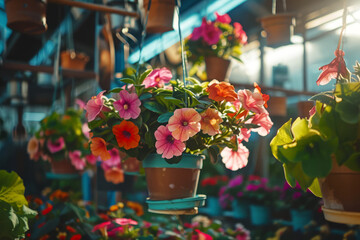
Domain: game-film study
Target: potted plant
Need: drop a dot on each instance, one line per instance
(279, 27)
(263, 199)
(62, 142)
(322, 151)
(210, 186)
(167, 124)
(161, 14)
(216, 43)
(235, 191)
(301, 204)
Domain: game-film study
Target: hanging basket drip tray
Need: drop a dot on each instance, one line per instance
(184, 206)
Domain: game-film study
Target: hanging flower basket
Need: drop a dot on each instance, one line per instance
(216, 68)
(304, 107)
(26, 16)
(341, 199)
(277, 106)
(63, 167)
(74, 61)
(160, 16)
(172, 187)
(279, 29)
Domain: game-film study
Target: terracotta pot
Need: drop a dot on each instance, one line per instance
(160, 16)
(340, 189)
(279, 29)
(72, 60)
(277, 106)
(63, 167)
(216, 68)
(172, 181)
(26, 16)
(304, 107)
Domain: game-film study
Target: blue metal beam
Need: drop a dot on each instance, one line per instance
(5, 31)
(190, 19)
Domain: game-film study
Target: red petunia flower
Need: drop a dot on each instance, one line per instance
(333, 69)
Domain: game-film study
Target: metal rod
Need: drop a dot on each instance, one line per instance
(95, 7)
(11, 65)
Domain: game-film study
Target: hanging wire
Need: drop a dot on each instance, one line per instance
(185, 73)
(56, 71)
(143, 34)
(273, 9)
(341, 39)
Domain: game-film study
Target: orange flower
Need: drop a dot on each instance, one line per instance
(61, 236)
(219, 91)
(38, 201)
(48, 209)
(264, 96)
(60, 195)
(114, 175)
(210, 121)
(45, 237)
(127, 134)
(98, 148)
(136, 207)
(113, 208)
(70, 229)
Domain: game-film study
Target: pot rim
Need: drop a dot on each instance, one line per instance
(187, 161)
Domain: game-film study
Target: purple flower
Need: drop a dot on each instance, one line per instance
(296, 195)
(114, 160)
(128, 105)
(240, 194)
(238, 180)
(252, 187)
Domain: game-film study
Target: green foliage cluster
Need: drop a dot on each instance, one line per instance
(309, 147)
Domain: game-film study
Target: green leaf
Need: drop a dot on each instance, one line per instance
(173, 100)
(283, 136)
(164, 118)
(288, 176)
(324, 97)
(354, 161)
(154, 107)
(127, 81)
(145, 96)
(12, 189)
(115, 90)
(296, 170)
(315, 188)
(214, 153)
(173, 160)
(144, 75)
(96, 123)
(300, 129)
(349, 112)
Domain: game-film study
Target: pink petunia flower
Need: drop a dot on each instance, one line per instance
(235, 160)
(125, 221)
(91, 159)
(331, 70)
(115, 231)
(208, 31)
(239, 33)
(114, 160)
(312, 111)
(158, 77)
(252, 101)
(56, 146)
(166, 144)
(86, 130)
(94, 106)
(77, 161)
(80, 103)
(184, 124)
(264, 121)
(201, 236)
(244, 135)
(128, 105)
(223, 18)
(210, 121)
(101, 226)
